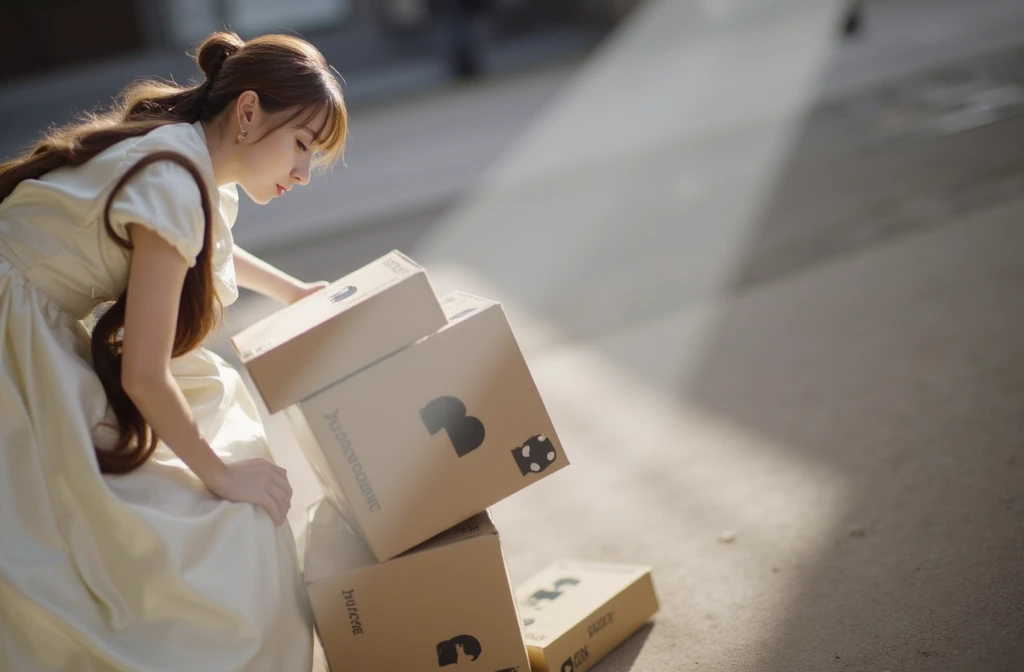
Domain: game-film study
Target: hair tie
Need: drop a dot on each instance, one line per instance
(229, 50)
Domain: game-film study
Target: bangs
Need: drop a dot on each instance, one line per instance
(333, 130)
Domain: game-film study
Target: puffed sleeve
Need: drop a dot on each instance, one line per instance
(165, 198)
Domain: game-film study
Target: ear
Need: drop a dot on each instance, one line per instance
(247, 110)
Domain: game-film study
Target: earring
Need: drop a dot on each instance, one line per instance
(242, 135)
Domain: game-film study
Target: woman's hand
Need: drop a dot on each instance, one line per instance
(257, 275)
(304, 289)
(256, 481)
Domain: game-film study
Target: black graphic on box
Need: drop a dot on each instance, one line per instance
(543, 596)
(448, 413)
(576, 660)
(448, 651)
(534, 456)
(343, 294)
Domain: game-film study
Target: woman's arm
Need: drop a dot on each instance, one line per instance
(155, 280)
(156, 276)
(257, 275)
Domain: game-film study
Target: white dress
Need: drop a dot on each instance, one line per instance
(149, 570)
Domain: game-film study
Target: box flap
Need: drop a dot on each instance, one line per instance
(459, 304)
(479, 525)
(302, 316)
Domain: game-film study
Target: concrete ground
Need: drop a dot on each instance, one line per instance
(769, 288)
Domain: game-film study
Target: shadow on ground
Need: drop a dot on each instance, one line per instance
(875, 330)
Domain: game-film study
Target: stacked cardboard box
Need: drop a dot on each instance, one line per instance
(446, 601)
(417, 415)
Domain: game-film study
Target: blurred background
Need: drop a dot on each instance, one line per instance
(765, 259)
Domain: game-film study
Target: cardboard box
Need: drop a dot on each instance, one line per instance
(574, 613)
(442, 605)
(367, 314)
(434, 433)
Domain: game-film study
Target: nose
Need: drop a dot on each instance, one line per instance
(300, 174)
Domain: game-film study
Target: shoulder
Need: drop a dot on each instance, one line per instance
(179, 139)
(175, 163)
(164, 195)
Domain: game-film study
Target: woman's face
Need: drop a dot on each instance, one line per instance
(272, 165)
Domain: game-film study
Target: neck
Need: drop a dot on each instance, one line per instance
(221, 153)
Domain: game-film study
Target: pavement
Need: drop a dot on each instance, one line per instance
(768, 286)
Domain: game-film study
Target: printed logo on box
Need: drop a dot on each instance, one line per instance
(534, 456)
(533, 636)
(257, 350)
(451, 651)
(600, 624)
(348, 451)
(461, 314)
(466, 433)
(353, 611)
(343, 294)
(396, 266)
(448, 652)
(542, 597)
(575, 660)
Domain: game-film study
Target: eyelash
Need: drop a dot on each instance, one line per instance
(301, 146)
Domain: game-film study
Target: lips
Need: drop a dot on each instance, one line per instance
(280, 190)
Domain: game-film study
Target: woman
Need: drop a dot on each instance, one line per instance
(119, 552)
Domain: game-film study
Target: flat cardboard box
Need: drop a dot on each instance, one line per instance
(442, 605)
(575, 612)
(367, 314)
(433, 434)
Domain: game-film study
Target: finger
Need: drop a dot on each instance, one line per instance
(284, 485)
(281, 497)
(271, 505)
(283, 501)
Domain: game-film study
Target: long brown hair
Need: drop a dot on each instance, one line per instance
(288, 75)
